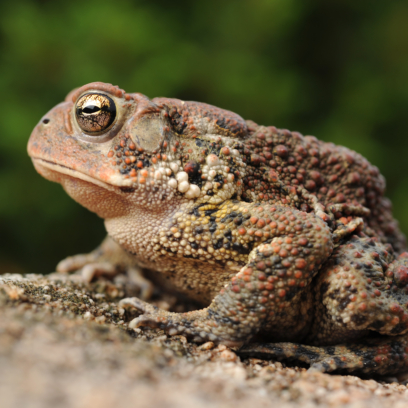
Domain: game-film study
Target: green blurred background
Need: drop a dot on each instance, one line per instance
(337, 69)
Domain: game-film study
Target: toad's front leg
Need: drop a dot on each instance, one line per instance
(265, 291)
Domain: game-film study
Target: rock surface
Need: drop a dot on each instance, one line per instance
(64, 343)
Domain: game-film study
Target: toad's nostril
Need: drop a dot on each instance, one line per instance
(45, 121)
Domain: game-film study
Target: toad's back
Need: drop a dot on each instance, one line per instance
(334, 174)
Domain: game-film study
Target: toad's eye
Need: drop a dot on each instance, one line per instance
(95, 113)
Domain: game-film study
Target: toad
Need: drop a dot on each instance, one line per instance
(287, 242)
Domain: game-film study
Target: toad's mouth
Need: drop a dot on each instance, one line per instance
(53, 172)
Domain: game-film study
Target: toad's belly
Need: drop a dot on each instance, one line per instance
(199, 280)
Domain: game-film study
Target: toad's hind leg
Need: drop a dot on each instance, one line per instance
(265, 294)
(362, 288)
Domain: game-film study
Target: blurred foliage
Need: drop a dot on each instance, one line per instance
(335, 69)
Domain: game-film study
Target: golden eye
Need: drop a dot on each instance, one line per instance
(95, 112)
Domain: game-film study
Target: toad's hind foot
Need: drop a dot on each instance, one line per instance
(372, 356)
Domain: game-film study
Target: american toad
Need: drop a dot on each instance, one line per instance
(284, 238)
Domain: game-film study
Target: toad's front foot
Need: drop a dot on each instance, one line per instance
(107, 261)
(199, 325)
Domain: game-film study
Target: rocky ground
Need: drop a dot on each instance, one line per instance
(64, 343)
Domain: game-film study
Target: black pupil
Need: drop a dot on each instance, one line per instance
(91, 109)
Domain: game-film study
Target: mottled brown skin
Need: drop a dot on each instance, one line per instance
(283, 237)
